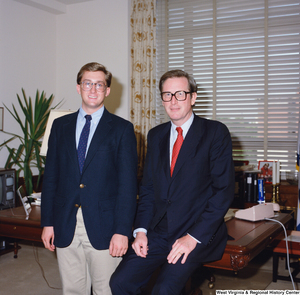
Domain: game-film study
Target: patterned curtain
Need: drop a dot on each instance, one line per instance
(143, 81)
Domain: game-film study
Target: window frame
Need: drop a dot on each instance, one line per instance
(277, 106)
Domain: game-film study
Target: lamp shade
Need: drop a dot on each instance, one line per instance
(52, 116)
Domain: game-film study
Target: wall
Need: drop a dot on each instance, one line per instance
(94, 31)
(41, 50)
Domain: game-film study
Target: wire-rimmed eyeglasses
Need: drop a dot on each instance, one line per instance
(180, 95)
(87, 85)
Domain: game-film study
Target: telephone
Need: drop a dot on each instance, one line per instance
(257, 212)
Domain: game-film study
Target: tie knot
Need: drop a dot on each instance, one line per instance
(88, 117)
(179, 130)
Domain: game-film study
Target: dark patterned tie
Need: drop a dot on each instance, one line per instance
(176, 148)
(83, 141)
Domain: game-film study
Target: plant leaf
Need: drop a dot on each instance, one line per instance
(32, 121)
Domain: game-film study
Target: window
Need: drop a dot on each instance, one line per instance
(244, 56)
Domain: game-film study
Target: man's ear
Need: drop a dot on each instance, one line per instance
(78, 89)
(193, 98)
(107, 91)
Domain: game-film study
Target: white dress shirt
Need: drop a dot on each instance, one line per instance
(81, 122)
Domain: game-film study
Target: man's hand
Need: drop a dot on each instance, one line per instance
(118, 245)
(140, 244)
(183, 246)
(48, 237)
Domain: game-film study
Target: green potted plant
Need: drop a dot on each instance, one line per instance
(33, 126)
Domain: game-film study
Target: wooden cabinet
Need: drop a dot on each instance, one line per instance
(288, 194)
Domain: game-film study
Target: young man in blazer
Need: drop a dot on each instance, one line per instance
(180, 217)
(88, 211)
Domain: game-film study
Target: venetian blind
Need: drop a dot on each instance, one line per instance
(244, 56)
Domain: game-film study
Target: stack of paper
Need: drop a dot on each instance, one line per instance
(37, 198)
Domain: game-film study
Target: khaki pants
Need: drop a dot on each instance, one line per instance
(81, 265)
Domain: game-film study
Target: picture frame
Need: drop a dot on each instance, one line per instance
(1, 118)
(24, 200)
(266, 169)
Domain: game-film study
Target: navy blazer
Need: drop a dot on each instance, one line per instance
(200, 192)
(106, 189)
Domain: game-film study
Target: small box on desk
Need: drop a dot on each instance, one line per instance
(255, 213)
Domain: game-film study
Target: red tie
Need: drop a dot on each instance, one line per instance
(176, 148)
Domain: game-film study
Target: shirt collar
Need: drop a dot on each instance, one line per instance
(185, 127)
(95, 116)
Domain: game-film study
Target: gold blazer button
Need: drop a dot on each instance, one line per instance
(81, 185)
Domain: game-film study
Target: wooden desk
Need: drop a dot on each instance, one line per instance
(249, 239)
(13, 224)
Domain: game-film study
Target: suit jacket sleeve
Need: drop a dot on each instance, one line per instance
(146, 205)
(50, 179)
(127, 183)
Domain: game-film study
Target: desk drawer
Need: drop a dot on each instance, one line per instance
(21, 232)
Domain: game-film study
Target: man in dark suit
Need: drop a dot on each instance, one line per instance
(180, 218)
(89, 188)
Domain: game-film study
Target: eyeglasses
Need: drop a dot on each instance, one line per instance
(179, 95)
(87, 85)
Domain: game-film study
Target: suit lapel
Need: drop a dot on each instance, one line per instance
(190, 144)
(69, 131)
(101, 132)
(164, 147)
